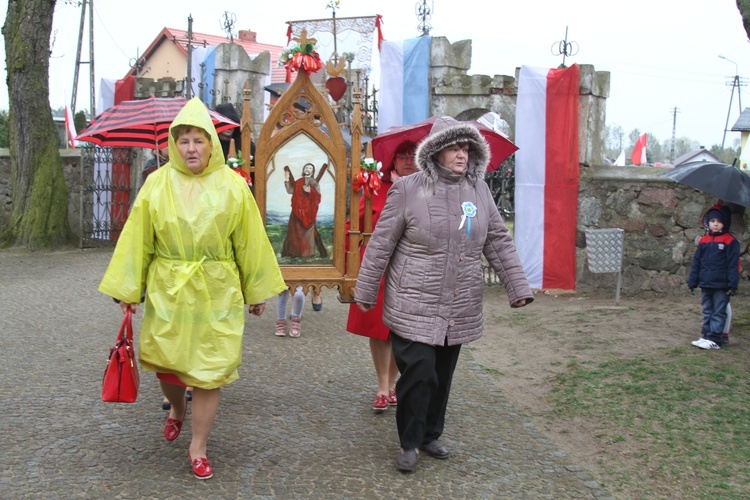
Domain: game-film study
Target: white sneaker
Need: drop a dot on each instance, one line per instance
(708, 344)
(696, 343)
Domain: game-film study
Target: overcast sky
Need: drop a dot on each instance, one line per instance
(662, 54)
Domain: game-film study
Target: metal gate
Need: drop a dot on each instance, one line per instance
(106, 194)
(502, 183)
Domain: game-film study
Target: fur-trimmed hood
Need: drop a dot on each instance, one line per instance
(445, 132)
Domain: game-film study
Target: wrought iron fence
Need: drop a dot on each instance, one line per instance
(106, 192)
(502, 183)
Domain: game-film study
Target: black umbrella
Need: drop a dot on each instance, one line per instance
(722, 180)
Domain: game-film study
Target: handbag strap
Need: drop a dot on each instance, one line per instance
(126, 328)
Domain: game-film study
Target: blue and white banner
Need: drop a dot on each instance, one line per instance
(404, 82)
(202, 67)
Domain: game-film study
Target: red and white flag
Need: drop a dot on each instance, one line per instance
(620, 161)
(639, 151)
(70, 128)
(547, 175)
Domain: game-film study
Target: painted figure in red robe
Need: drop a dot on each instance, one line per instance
(300, 234)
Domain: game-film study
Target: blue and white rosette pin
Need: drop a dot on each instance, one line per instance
(470, 211)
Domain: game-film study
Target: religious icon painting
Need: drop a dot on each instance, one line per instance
(300, 203)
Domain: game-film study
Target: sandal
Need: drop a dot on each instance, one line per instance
(280, 328)
(296, 329)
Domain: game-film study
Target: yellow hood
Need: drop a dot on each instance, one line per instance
(195, 114)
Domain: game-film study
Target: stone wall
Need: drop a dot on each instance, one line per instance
(71, 160)
(661, 220)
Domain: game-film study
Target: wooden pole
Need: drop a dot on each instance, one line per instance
(246, 123)
(355, 234)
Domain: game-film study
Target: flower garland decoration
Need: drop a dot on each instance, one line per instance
(368, 179)
(470, 211)
(236, 163)
(302, 55)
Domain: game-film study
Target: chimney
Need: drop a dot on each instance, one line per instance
(248, 36)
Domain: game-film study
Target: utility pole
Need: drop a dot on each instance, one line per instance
(736, 83)
(674, 128)
(188, 41)
(90, 62)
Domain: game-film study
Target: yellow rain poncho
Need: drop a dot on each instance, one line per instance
(197, 245)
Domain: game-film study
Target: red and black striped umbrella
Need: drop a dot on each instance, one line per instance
(142, 123)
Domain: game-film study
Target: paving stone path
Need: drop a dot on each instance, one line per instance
(297, 424)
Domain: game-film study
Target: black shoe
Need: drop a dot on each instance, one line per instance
(436, 449)
(166, 406)
(406, 461)
(189, 395)
(317, 307)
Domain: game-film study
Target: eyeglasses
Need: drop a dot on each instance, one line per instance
(405, 157)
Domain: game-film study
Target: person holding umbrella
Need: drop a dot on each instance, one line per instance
(736, 229)
(431, 234)
(228, 111)
(716, 271)
(196, 243)
(370, 324)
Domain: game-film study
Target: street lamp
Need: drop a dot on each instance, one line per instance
(735, 84)
(736, 70)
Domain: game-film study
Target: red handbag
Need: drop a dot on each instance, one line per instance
(121, 379)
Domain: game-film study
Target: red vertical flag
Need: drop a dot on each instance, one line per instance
(547, 175)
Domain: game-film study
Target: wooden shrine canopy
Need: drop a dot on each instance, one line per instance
(302, 183)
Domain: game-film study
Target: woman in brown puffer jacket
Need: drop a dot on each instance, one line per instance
(433, 230)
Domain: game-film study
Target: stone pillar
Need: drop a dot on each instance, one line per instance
(233, 69)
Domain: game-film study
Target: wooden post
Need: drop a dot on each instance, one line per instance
(246, 129)
(355, 234)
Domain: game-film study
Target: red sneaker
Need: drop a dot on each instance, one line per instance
(392, 400)
(201, 467)
(380, 404)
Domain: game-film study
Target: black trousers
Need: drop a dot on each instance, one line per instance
(422, 389)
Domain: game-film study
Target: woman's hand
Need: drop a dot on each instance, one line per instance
(256, 309)
(125, 306)
(365, 307)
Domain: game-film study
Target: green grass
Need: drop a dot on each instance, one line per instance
(277, 233)
(512, 319)
(689, 408)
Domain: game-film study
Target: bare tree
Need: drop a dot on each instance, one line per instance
(39, 216)
(744, 7)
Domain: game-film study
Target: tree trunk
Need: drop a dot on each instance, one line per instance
(39, 216)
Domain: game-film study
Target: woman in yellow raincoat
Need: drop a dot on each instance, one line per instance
(195, 242)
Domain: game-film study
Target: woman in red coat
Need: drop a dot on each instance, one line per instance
(370, 324)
